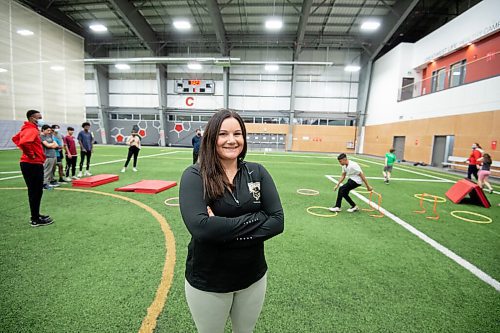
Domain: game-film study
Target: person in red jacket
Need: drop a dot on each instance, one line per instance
(476, 153)
(32, 159)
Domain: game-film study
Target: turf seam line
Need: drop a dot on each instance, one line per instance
(444, 250)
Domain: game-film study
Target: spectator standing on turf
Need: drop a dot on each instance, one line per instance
(86, 142)
(49, 146)
(475, 154)
(390, 158)
(71, 153)
(353, 172)
(134, 143)
(32, 159)
(485, 172)
(230, 207)
(59, 140)
(196, 142)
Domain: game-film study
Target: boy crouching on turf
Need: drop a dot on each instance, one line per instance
(353, 171)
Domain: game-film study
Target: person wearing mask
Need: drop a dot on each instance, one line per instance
(49, 146)
(32, 159)
(230, 207)
(134, 143)
(86, 142)
(59, 140)
(485, 172)
(390, 158)
(71, 153)
(475, 154)
(196, 141)
(353, 172)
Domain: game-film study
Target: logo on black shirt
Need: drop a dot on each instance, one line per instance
(255, 190)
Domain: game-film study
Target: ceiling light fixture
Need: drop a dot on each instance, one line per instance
(122, 67)
(271, 67)
(182, 25)
(274, 23)
(25, 32)
(352, 68)
(98, 28)
(3, 70)
(370, 25)
(57, 68)
(194, 66)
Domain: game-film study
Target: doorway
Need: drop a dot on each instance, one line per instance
(399, 146)
(442, 149)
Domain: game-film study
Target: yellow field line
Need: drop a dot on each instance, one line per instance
(149, 322)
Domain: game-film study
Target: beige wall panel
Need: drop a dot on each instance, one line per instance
(481, 127)
(322, 138)
(267, 128)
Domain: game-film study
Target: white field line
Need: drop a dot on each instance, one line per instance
(411, 179)
(7, 172)
(108, 162)
(410, 171)
(447, 252)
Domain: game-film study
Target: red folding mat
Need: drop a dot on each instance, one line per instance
(94, 180)
(147, 186)
(463, 187)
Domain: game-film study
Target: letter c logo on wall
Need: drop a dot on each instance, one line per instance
(189, 101)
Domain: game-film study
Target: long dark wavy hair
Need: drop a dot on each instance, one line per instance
(213, 175)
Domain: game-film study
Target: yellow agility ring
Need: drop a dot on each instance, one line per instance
(488, 219)
(320, 215)
(167, 202)
(419, 196)
(307, 191)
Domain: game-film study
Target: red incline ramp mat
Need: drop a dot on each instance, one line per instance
(463, 187)
(147, 186)
(94, 180)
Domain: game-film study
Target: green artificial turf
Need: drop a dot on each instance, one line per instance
(97, 268)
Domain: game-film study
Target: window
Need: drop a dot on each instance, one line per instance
(113, 116)
(457, 73)
(438, 78)
(136, 116)
(125, 116)
(92, 116)
(148, 117)
(183, 118)
(248, 120)
(171, 117)
(205, 118)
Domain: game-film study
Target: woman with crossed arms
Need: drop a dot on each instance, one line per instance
(230, 207)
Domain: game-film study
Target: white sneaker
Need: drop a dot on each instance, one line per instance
(75, 177)
(67, 179)
(135, 170)
(87, 173)
(334, 209)
(79, 174)
(353, 209)
(123, 169)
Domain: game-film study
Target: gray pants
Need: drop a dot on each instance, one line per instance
(210, 310)
(48, 167)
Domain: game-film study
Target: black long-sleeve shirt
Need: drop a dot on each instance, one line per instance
(226, 252)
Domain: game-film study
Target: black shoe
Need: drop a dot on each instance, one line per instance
(46, 218)
(40, 222)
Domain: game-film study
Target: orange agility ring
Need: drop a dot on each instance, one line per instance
(307, 191)
(309, 210)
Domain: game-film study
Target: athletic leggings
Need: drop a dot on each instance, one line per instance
(82, 158)
(33, 177)
(472, 170)
(132, 151)
(71, 164)
(211, 310)
(344, 193)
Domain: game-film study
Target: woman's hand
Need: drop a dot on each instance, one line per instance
(209, 210)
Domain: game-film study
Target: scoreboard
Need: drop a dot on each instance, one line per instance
(194, 87)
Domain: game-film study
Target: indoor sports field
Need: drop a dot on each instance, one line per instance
(106, 260)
